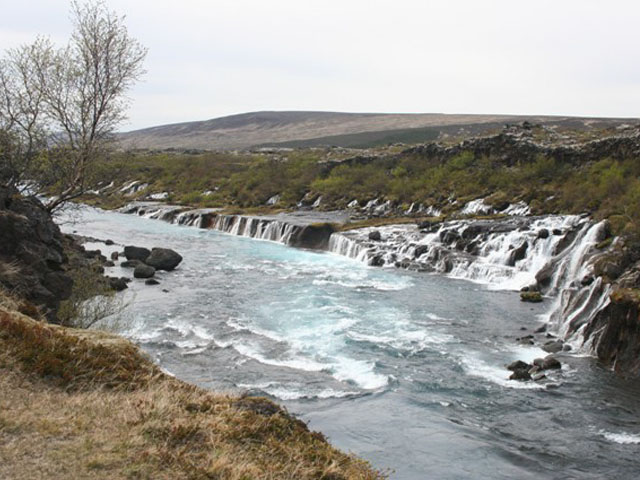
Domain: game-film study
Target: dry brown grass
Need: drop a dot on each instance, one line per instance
(80, 404)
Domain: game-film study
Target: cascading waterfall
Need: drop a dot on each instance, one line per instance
(509, 253)
(262, 228)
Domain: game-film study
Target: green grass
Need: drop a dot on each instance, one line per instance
(603, 187)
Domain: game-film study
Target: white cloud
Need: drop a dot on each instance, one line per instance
(212, 58)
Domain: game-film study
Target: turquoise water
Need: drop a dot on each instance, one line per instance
(404, 369)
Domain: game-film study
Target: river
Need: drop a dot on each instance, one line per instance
(404, 369)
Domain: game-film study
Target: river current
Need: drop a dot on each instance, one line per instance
(404, 369)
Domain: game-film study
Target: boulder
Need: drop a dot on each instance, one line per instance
(375, 236)
(114, 256)
(144, 271)
(550, 363)
(518, 254)
(518, 365)
(151, 281)
(522, 375)
(536, 377)
(553, 346)
(136, 253)
(131, 263)
(543, 233)
(533, 297)
(118, 284)
(163, 259)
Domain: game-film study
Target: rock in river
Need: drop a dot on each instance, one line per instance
(163, 259)
(144, 271)
(136, 253)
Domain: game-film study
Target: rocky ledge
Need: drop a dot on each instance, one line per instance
(33, 262)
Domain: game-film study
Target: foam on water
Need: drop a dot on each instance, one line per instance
(622, 438)
(297, 391)
(496, 374)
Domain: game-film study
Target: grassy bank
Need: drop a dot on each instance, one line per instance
(552, 173)
(85, 404)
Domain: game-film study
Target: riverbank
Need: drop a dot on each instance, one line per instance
(78, 403)
(87, 404)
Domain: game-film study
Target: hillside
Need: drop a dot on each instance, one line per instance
(305, 129)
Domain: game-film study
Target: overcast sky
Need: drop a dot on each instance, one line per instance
(219, 57)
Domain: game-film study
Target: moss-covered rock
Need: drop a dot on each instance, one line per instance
(533, 297)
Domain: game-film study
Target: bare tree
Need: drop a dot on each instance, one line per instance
(22, 130)
(75, 95)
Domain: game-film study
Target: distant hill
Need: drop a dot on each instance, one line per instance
(304, 129)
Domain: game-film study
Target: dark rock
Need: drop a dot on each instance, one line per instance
(521, 375)
(550, 363)
(377, 261)
(118, 284)
(144, 271)
(136, 253)
(526, 340)
(586, 281)
(151, 281)
(567, 348)
(109, 264)
(543, 233)
(518, 254)
(565, 241)
(33, 244)
(449, 236)
(420, 250)
(114, 256)
(518, 365)
(131, 263)
(556, 231)
(109, 242)
(375, 236)
(545, 274)
(315, 236)
(541, 329)
(554, 346)
(164, 259)
(615, 332)
(473, 248)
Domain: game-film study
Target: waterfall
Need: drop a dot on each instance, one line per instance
(554, 253)
(347, 247)
(261, 228)
(504, 253)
